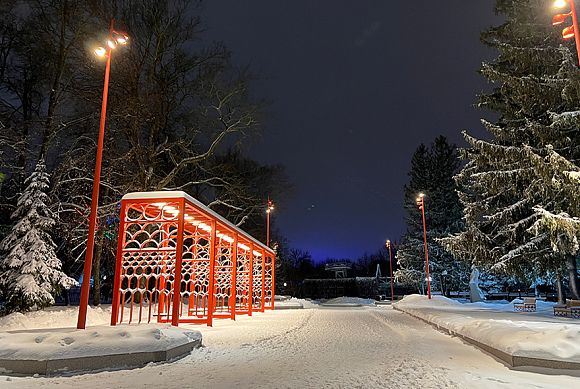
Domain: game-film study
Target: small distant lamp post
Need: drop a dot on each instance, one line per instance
(115, 38)
(421, 205)
(269, 209)
(388, 244)
(570, 31)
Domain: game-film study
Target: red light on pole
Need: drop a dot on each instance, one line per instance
(421, 205)
(560, 18)
(570, 31)
(388, 244)
(269, 209)
(114, 38)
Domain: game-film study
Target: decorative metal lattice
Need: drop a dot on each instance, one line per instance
(178, 261)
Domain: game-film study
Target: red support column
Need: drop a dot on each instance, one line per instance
(233, 291)
(426, 249)
(211, 286)
(118, 265)
(391, 269)
(263, 303)
(251, 284)
(575, 26)
(192, 276)
(178, 262)
(273, 279)
(162, 282)
(86, 285)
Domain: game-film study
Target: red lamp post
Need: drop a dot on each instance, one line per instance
(115, 38)
(421, 205)
(570, 31)
(388, 244)
(269, 209)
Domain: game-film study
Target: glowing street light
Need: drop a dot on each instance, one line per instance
(115, 38)
(572, 31)
(388, 244)
(421, 205)
(269, 209)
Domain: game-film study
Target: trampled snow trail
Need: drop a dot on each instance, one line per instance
(336, 348)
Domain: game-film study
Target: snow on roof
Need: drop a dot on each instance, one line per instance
(177, 194)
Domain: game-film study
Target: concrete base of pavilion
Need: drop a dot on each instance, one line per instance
(516, 360)
(66, 351)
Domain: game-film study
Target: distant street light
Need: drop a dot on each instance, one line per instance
(421, 205)
(115, 38)
(388, 244)
(570, 31)
(269, 209)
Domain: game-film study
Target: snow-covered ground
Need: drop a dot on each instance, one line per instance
(51, 334)
(527, 334)
(374, 347)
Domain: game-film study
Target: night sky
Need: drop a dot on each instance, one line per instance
(355, 87)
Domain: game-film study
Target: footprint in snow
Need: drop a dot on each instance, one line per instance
(67, 341)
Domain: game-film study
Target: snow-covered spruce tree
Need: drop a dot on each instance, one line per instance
(519, 189)
(432, 171)
(29, 269)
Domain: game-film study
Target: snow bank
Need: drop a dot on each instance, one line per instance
(534, 335)
(307, 304)
(54, 317)
(349, 301)
(47, 342)
(72, 343)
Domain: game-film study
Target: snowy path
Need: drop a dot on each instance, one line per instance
(337, 348)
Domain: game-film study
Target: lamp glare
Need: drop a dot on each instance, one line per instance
(100, 51)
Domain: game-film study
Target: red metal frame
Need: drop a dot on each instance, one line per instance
(391, 268)
(180, 262)
(86, 285)
(421, 205)
(560, 18)
(269, 208)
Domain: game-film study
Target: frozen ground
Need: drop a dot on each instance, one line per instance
(313, 348)
(529, 334)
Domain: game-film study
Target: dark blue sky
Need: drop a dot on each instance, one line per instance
(355, 87)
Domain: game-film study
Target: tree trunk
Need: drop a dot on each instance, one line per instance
(560, 287)
(97, 267)
(66, 297)
(573, 275)
(53, 96)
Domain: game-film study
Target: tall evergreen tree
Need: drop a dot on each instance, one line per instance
(30, 272)
(520, 189)
(432, 171)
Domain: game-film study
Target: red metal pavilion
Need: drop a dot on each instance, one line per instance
(180, 262)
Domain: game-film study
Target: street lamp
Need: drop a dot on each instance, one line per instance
(269, 209)
(421, 205)
(115, 38)
(570, 31)
(388, 244)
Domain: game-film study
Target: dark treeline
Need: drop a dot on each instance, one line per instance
(179, 114)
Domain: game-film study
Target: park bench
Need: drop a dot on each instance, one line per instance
(572, 308)
(529, 305)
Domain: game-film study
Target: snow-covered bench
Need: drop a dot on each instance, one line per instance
(572, 308)
(529, 305)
